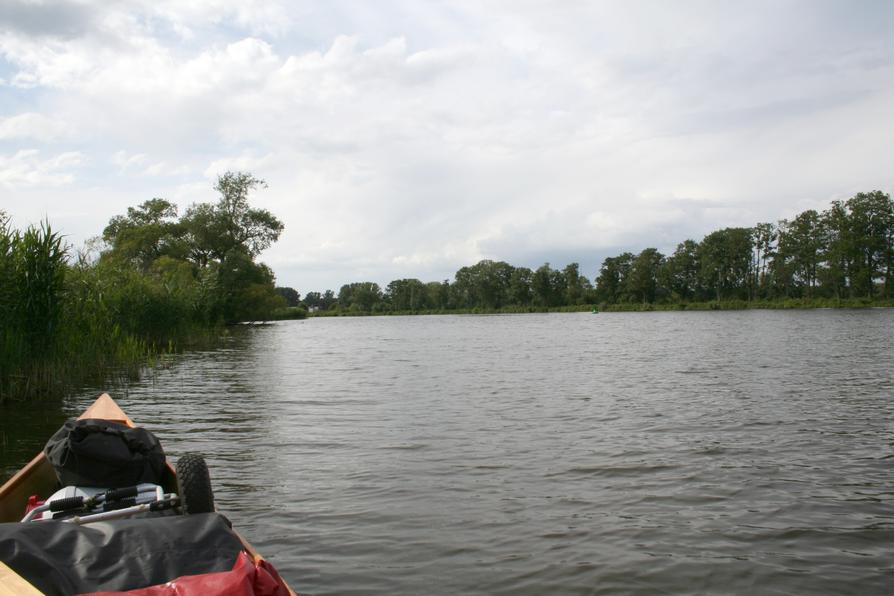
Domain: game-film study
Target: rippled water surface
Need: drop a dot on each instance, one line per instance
(744, 452)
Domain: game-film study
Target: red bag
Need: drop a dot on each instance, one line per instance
(247, 578)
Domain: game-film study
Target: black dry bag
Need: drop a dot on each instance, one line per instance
(104, 453)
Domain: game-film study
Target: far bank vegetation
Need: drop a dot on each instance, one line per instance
(843, 256)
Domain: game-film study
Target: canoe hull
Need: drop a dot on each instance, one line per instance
(39, 478)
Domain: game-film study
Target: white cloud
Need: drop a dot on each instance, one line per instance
(34, 126)
(427, 136)
(244, 163)
(163, 168)
(143, 164)
(27, 168)
(125, 161)
(258, 16)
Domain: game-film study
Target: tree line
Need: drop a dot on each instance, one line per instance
(159, 280)
(487, 285)
(844, 252)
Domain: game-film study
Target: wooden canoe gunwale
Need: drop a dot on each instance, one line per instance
(38, 477)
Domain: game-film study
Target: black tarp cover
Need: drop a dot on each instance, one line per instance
(63, 558)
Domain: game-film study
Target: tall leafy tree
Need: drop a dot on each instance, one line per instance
(612, 280)
(213, 231)
(680, 274)
(485, 284)
(360, 296)
(576, 285)
(328, 300)
(407, 294)
(221, 241)
(764, 237)
(837, 251)
(803, 244)
(520, 292)
(872, 222)
(781, 262)
(312, 300)
(147, 232)
(290, 295)
(642, 282)
(548, 286)
(438, 294)
(247, 289)
(725, 258)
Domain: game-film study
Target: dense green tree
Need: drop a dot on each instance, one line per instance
(802, 242)
(346, 295)
(782, 270)
(213, 231)
(548, 286)
(588, 293)
(558, 287)
(438, 294)
(313, 300)
(725, 261)
(316, 300)
(576, 285)
(872, 228)
(485, 284)
(520, 292)
(461, 291)
(360, 296)
(211, 249)
(680, 273)
(247, 289)
(202, 231)
(147, 232)
(763, 238)
(291, 296)
(328, 300)
(836, 241)
(612, 280)
(642, 281)
(407, 294)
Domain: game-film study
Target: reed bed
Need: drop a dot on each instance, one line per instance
(64, 324)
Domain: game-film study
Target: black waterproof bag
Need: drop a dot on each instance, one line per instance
(103, 453)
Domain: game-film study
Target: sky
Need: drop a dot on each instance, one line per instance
(410, 138)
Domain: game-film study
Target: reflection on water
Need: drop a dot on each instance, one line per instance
(24, 430)
(745, 452)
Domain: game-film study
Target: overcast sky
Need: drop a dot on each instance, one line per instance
(410, 138)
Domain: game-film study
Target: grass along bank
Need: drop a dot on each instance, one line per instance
(791, 303)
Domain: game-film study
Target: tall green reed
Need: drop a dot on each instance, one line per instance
(63, 324)
(32, 272)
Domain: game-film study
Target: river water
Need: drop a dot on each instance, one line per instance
(684, 452)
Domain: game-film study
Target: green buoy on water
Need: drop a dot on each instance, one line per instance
(595, 310)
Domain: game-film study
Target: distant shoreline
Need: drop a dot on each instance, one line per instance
(790, 304)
